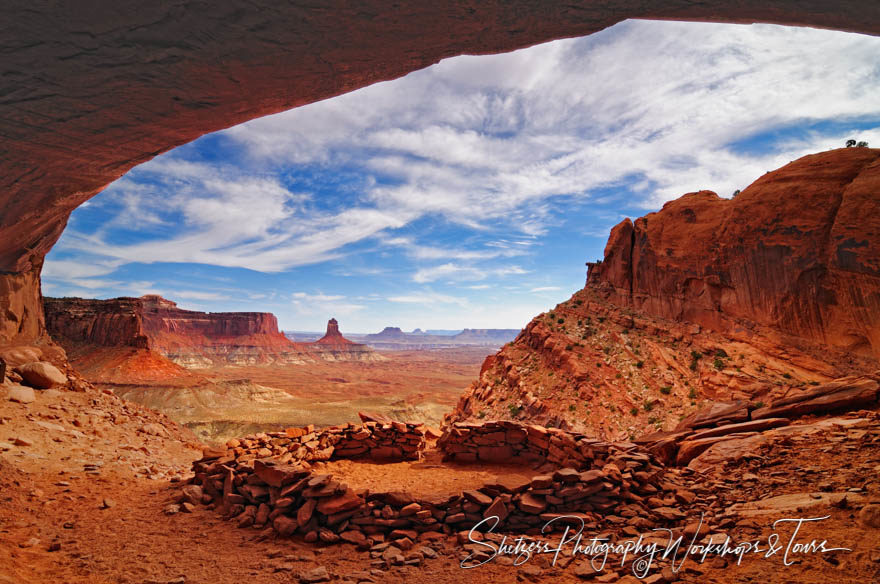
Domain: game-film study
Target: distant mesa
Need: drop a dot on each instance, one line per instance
(392, 338)
(150, 336)
(187, 338)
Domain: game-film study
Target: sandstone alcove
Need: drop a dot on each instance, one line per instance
(90, 93)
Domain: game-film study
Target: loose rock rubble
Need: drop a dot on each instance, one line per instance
(266, 480)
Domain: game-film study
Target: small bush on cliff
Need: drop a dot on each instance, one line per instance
(640, 364)
(648, 405)
(721, 353)
(666, 389)
(514, 410)
(692, 393)
(719, 364)
(634, 411)
(696, 355)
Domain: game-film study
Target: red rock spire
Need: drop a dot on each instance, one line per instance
(333, 336)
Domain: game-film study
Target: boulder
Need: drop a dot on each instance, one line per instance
(41, 375)
(870, 516)
(20, 394)
(284, 525)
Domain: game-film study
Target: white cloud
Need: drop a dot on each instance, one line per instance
(320, 304)
(545, 289)
(427, 298)
(196, 295)
(460, 273)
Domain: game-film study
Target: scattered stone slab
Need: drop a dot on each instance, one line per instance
(21, 394)
(792, 502)
(315, 575)
(841, 394)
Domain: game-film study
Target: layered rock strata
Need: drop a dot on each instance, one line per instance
(185, 337)
(707, 300)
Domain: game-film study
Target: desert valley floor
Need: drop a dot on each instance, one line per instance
(232, 401)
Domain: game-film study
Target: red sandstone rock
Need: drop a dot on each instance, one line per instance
(709, 299)
(186, 337)
(690, 449)
(334, 347)
(753, 426)
(284, 525)
(796, 252)
(847, 393)
(344, 502)
(41, 375)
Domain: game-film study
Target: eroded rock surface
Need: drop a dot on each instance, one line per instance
(185, 337)
(711, 305)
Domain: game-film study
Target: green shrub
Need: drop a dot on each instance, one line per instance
(666, 389)
(634, 411)
(648, 405)
(692, 393)
(514, 410)
(719, 364)
(640, 364)
(572, 408)
(787, 375)
(721, 353)
(560, 321)
(696, 355)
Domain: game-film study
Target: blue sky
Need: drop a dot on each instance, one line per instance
(470, 193)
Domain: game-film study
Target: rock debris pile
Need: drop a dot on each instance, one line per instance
(265, 481)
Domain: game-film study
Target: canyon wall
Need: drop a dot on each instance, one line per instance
(185, 337)
(795, 255)
(751, 300)
(88, 92)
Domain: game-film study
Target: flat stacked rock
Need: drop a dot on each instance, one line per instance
(265, 481)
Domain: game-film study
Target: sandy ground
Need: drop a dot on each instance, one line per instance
(84, 479)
